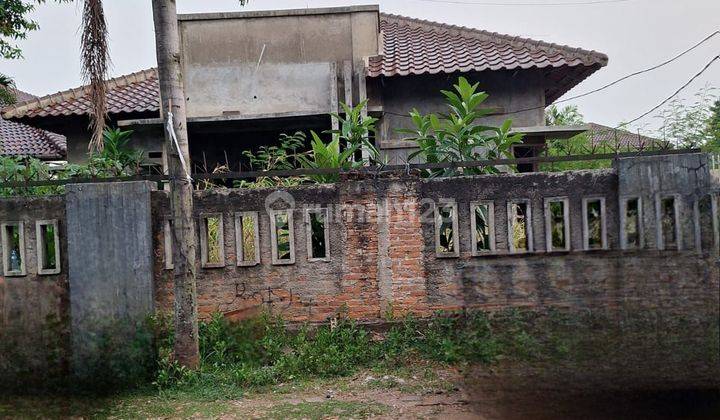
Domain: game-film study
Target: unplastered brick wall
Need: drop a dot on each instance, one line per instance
(384, 254)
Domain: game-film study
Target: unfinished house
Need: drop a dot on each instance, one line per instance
(251, 76)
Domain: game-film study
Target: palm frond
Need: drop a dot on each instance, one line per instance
(95, 58)
(7, 90)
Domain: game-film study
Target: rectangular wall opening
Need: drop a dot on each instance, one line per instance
(446, 230)
(594, 223)
(212, 241)
(482, 220)
(318, 234)
(167, 228)
(716, 220)
(13, 247)
(704, 229)
(48, 247)
(282, 237)
(247, 239)
(631, 237)
(669, 232)
(519, 229)
(557, 224)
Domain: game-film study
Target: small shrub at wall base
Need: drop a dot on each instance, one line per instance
(260, 352)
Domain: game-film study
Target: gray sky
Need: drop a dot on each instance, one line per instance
(634, 33)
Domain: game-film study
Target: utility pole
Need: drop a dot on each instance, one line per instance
(172, 103)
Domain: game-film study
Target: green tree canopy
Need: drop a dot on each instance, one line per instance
(15, 24)
(567, 115)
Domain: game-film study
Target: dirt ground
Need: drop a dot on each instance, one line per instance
(481, 392)
(493, 393)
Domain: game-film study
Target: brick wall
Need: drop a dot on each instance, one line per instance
(382, 249)
(383, 258)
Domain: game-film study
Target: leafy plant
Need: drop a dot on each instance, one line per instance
(686, 124)
(567, 115)
(25, 170)
(328, 156)
(117, 148)
(458, 136)
(275, 158)
(353, 135)
(355, 130)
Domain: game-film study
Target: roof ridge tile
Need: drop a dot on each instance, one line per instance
(21, 109)
(433, 25)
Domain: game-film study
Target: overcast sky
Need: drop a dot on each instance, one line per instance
(634, 33)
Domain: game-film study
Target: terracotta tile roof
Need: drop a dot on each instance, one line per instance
(21, 96)
(410, 47)
(136, 92)
(17, 139)
(618, 138)
(413, 47)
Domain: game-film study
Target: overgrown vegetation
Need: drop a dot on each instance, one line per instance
(118, 159)
(263, 356)
(685, 124)
(263, 352)
(692, 123)
(342, 151)
(459, 136)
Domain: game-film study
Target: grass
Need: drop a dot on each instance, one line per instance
(261, 360)
(325, 409)
(299, 398)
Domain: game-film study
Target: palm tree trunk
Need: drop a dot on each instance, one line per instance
(184, 257)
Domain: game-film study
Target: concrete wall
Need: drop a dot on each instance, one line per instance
(75, 129)
(110, 253)
(508, 91)
(286, 61)
(31, 306)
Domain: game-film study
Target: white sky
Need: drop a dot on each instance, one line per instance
(634, 33)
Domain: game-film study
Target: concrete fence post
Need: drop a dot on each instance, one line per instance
(110, 251)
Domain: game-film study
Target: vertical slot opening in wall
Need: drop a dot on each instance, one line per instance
(631, 229)
(211, 241)
(482, 220)
(716, 221)
(446, 230)
(704, 229)
(519, 226)
(168, 233)
(48, 247)
(594, 229)
(668, 223)
(282, 237)
(247, 238)
(557, 224)
(318, 234)
(13, 247)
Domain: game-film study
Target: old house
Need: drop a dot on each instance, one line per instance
(250, 76)
(22, 140)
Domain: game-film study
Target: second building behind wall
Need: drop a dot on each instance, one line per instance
(252, 75)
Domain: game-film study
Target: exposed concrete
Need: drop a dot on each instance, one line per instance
(509, 92)
(110, 250)
(278, 62)
(32, 307)
(651, 178)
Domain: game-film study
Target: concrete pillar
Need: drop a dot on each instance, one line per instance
(110, 251)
